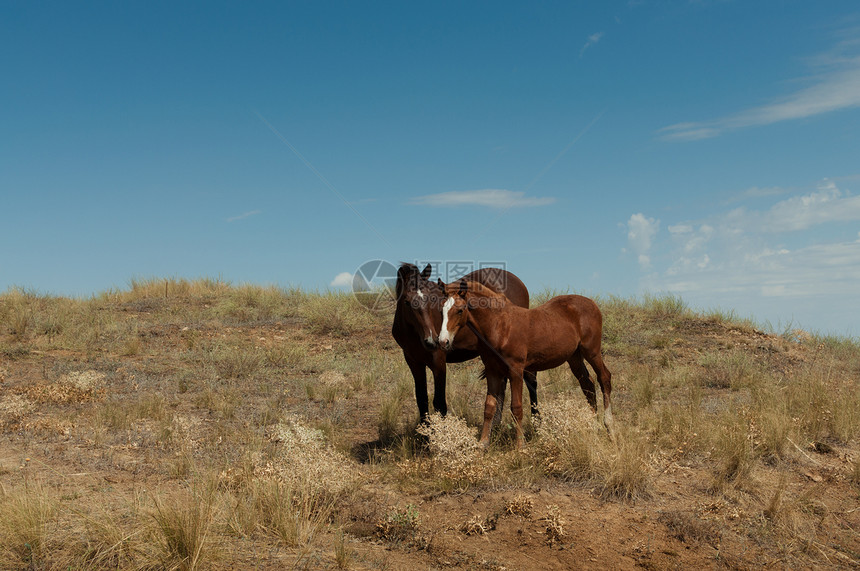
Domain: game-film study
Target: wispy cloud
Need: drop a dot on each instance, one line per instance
(833, 85)
(758, 192)
(774, 259)
(244, 215)
(343, 279)
(592, 39)
(491, 198)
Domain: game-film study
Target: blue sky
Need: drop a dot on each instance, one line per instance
(709, 148)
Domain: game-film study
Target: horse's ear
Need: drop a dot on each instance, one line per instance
(440, 283)
(463, 288)
(425, 273)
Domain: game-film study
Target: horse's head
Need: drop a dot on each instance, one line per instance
(454, 313)
(419, 300)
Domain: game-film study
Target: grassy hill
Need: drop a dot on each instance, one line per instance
(195, 424)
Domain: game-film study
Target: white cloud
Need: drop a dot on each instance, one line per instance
(640, 234)
(833, 85)
(343, 279)
(773, 263)
(244, 215)
(798, 273)
(592, 39)
(827, 204)
(492, 198)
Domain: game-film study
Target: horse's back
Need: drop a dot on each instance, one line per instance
(503, 282)
(575, 311)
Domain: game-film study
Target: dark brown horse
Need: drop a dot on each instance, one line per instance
(566, 329)
(417, 319)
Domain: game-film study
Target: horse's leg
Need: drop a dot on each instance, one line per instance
(577, 367)
(604, 379)
(495, 385)
(500, 398)
(517, 403)
(419, 375)
(439, 368)
(530, 378)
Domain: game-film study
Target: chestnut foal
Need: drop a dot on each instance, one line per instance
(567, 328)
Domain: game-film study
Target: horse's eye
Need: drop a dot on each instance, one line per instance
(459, 311)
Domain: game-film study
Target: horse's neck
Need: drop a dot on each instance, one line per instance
(493, 308)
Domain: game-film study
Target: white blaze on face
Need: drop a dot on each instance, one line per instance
(443, 334)
(420, 294)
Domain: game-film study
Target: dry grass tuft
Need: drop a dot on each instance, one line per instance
(287, 355)
(399, 525)
(108, 540)
(335, 314)
(665, 305)
(733, 452)
(390, 412)
(184, 523)
(232, 362)
(570, 445)
(293, 514)
(343, 556)
(728, 369)
(26, 513)
(626, 474)
(689, 528)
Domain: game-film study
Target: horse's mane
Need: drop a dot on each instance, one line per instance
(475, 288)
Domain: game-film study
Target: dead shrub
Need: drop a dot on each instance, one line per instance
(293, 491)
(554, 524)
(521, 505)
(456, 453)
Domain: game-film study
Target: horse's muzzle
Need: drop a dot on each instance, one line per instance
(430, 343)
(446, 345)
